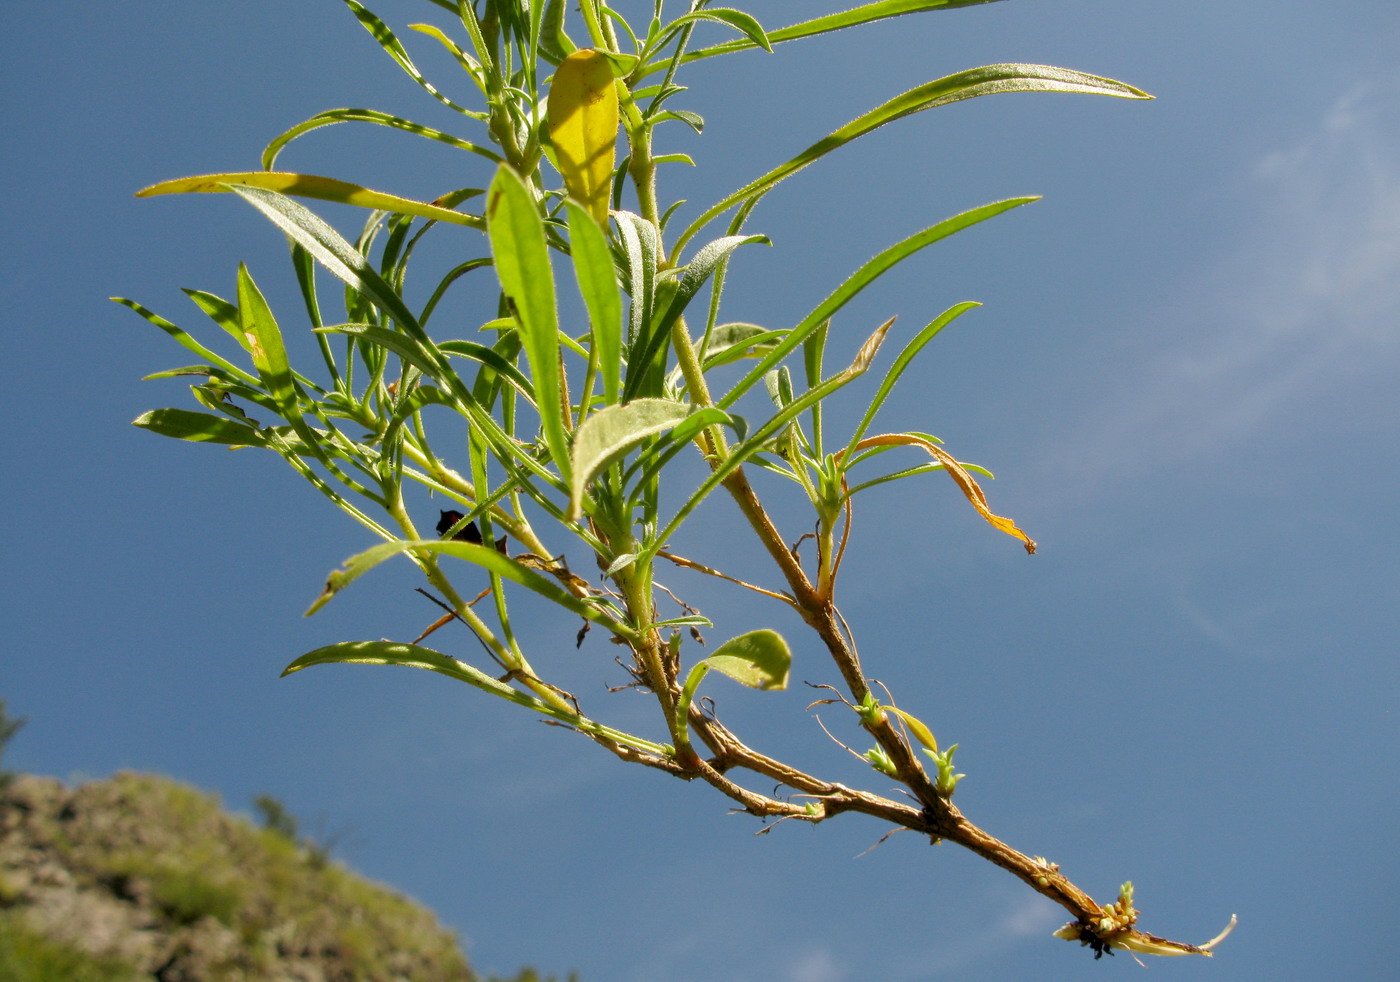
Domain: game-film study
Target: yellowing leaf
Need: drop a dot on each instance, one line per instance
(583, 121)
(957, 472)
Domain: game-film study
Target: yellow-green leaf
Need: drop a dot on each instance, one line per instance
(759, 659)
(583, 121)
(916, 726)
(312, 186)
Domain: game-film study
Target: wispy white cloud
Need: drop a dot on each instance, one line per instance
(1303, 303)
(818, 965)
(1239, 628)
(1015, 917)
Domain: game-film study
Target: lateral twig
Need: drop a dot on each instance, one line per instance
(708, 571)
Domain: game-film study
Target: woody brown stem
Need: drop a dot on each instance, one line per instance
(938, 817)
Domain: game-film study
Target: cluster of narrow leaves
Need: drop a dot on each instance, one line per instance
(573, 425)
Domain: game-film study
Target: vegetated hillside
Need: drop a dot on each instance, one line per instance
(139, 878)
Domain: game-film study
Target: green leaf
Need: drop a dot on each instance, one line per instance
(184, 424)
(354, 115)
(486, 557)
(902, 362)
(813, 350)
(411, 656)
(759, 659)
(859, 280)
(761, 438)
(421, 397)
(969, 84)
(400, 344)
(647, 466)
(730, 342)
(643, 250)
(492, 360)
(468, 64)
(609, 433)
(415, 656)
(744, 23)
(220, 311)
(555, 44)
(454, 274)
(694, 120)
(597, 283)
(692, 277)
(395, 49)
(263, 339)
(834, 22)
(186, 341)
(856, 489)
(694, 273)
(350, 266)
(327, 246)
(310, 186)
(521, 256)
(620, 563)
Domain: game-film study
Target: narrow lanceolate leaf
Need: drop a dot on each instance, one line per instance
(329, 249)
(917, 727)
(643, 248)
(988, 80)
(872, 270)
(263, 339)
(691, 277)
(349, 265)
(310, 186)
(395, 49)
(467, 63)
(583, 121)
(485, 556)
(902, 362)
(958, 473)
(730, 342)
(833, 22)
(331, 117)
(190, 343)
(555, 44)
(760, 440)
(743, 23)
(415, 656)
(411, 656)
(184, 424)
(597, 282)
(403, 345)
(611, 432)
(522, 264)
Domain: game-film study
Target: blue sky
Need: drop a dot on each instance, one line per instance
(1183, 377)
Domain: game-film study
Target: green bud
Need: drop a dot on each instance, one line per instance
(869, 709)
(881, 761)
